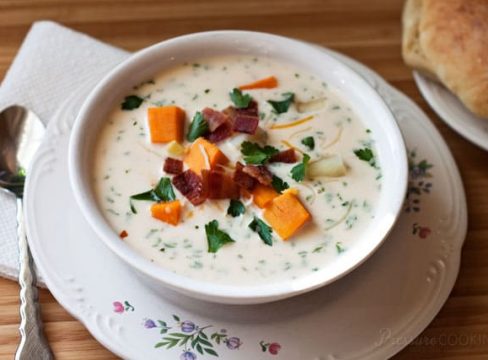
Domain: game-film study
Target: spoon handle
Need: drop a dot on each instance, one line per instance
(33, 344)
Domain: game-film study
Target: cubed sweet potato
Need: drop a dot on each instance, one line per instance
(169, 212)
(204, 155)
(166, 123)
(286, 215)
(262, 195)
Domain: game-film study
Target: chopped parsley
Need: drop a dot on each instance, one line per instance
(278, 184)
(366, 154)
(339, 247)
(309, 142)
(236, 208)
(298, 171)
(239, 99)
(282, 106)
(216, 238)
(255, 154)
(162, 192)
(131, 102)
(264, 231)
(198, 127)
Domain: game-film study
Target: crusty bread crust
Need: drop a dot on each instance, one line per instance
(450, 40)
(413, 54)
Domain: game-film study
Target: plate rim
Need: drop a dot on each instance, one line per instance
(424, 87)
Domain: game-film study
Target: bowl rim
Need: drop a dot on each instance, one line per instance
(222, 293)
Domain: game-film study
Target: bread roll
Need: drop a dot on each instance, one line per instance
(448, 40)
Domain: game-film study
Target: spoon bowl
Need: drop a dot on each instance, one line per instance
(21, 133)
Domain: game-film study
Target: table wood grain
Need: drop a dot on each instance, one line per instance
(369, 31)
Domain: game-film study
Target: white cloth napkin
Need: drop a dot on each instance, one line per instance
(50, 64)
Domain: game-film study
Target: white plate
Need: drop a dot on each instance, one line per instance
(452, 111)
(371, 313)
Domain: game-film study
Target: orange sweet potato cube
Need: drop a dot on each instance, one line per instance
(203, 155)
(166, 123)
(169, 212)
(263, 195)
(286, 215)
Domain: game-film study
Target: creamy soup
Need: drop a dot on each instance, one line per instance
(327, 193)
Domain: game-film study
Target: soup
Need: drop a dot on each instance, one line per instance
(237, 170)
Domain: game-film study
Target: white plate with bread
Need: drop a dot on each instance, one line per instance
(446, 43)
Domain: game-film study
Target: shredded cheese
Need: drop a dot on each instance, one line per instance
(296, 133)
(292, 124)
(335, 140)
(150, 151)
(205, 156)
(311, 191)
(341, 219)
(286, 143)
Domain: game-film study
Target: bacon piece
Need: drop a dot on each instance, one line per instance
(251, 110)
(123, 234)
(219, 124)
(285, 156)
(246, 124)
(245, 120)
(214, 118)
(260, 173)
(173, 166)
(220, 185)
(242, 179)
(222, 132)
(191, 186)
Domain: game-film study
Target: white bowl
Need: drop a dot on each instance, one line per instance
(144, 64)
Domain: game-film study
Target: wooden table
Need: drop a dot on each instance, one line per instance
(366, 30)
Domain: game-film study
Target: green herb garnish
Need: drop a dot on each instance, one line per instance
(255, 154)
(131, 102)
(278, 184)
(162, 192)
(366, 154)
(239, 99)
(309, 142)
(264, 231)
(216, 238)
(198, 127)
(282, 106)
(298, 171)
(236, 208)
(339, 247)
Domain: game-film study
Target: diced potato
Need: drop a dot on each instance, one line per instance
(332, 166)
(175, 148)
(313, 105)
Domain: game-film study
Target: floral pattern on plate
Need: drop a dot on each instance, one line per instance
(191, 337)
(419, 182)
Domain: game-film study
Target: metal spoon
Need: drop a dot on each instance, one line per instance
(21, 133)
